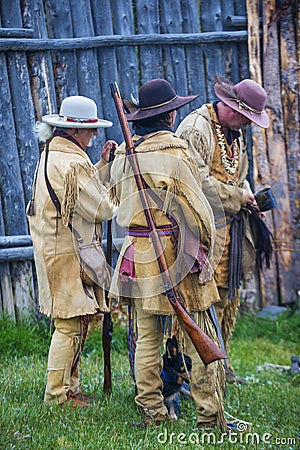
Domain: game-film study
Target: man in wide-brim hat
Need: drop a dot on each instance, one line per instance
(216, 140)
(84, 203)
(177, 201)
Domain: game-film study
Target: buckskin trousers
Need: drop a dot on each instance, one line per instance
(63, 349)
(207, 382)
(148, 362)
(227, 311)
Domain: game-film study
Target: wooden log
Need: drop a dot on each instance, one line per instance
(87, 69)
(243, 60)
(211, 20)
(60, 29)
(235, 22)
(15, 184)
(123, 24)
(231, 52)
(15, 241)
(194, 67)
(148, 22)
(118, 64)
(16, 254)
(6, 293)
(290, 102)
(16, 32)
(261, 170)
(232, 21)
(23, 111)
(142, 39)
(40, 63)
(277, 157)
(174, 57)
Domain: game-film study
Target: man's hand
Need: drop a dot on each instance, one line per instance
(106, 149)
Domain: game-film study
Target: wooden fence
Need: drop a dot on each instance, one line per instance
(55, 48)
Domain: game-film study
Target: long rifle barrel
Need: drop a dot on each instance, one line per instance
(205, 347)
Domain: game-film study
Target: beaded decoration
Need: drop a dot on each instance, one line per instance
(230, 163)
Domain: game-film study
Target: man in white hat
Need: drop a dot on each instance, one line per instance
(84, 201)
(216, 142)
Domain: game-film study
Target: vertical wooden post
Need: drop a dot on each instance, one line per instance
(262, 175)
(290, 84)
(174, 57)
(6, 293)
(148, 21)
(40, 63)
(211, 20)
(16, 165)
(277, 156)
(194, 67)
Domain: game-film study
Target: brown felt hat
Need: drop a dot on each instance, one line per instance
(157, 97)
(246, 97)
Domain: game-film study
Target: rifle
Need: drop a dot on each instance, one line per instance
(107, 327)
(205, 347)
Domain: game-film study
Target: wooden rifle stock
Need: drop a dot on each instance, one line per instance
(205, 347)
(107, 327)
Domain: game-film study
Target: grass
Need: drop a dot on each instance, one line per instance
(270, 401)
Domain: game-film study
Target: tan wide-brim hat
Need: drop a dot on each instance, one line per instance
(246, 97)
(77, 112)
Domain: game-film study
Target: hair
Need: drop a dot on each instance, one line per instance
(44, 131)
(162, 119)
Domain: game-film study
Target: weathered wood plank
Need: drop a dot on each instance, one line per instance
(15, 241)
(142, 40)
(102, 22)
(40, 63)
(193, 55)
(87, 67)
(291, 103)
(6, 293)
(261, 169)
(23, 111)
(230, 52)
(16, 32)
(16, 254)
(174, 57)
(211, 20)
(16, 168)
(148, 21)
(127, 57)
(59, 26)
(277, 157)
(243, 60)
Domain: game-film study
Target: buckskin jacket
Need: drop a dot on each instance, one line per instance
(167, 170)
(198, 130)
(85, 202)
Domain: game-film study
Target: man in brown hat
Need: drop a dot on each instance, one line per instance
(216, 143)
(85, 203)
(177, 201)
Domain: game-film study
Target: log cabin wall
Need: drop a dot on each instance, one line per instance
(50, 49)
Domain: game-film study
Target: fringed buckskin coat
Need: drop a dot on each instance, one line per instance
(85, 202)
(198, 130)
(169, 171)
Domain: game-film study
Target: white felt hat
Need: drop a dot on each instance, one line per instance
(77, 112)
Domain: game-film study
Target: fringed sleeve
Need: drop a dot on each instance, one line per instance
(71, 193)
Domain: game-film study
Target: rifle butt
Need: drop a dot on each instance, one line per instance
(206, 348)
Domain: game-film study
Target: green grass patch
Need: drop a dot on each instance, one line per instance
(270, 401)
